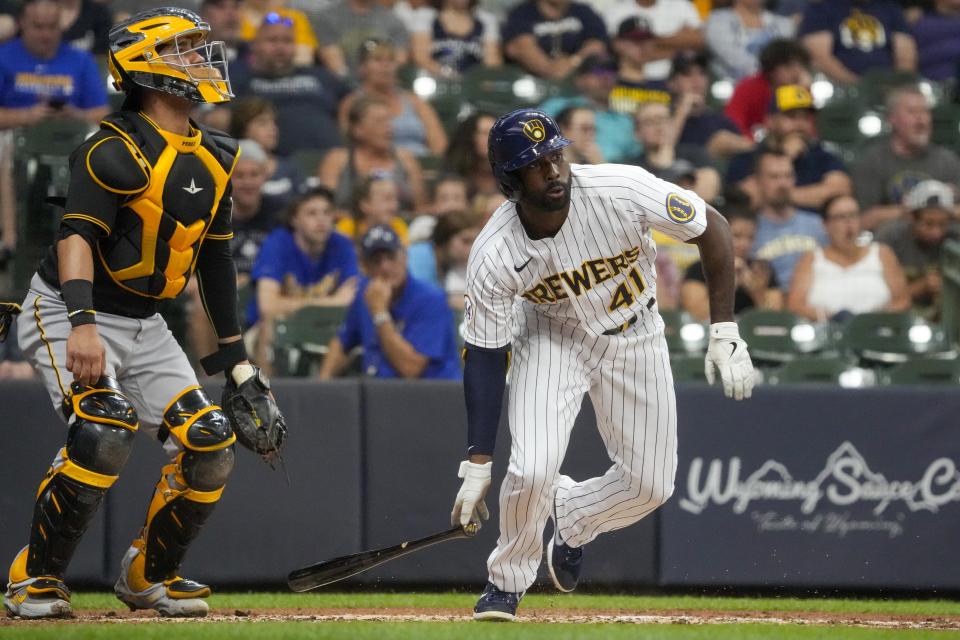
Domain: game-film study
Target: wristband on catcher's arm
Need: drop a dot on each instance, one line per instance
(77, 294)
(225, 358)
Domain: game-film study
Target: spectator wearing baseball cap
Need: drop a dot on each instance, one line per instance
(676, 27)
(790, 127)
(633, 45)
(698, 123)
(593, 83)
(918, 241)
(404, 325)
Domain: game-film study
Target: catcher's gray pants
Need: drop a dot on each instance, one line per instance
(142, 355)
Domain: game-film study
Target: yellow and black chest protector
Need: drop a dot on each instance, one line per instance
(170, 188)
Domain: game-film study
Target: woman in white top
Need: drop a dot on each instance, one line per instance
(846, 276)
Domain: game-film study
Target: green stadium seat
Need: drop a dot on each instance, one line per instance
(680, 341)
(839, 122)
(41, 169)
(307, 161)
(811, 370)
(886, 337)
(688, 369)
(502, 89)
(780, 336)
(946, 125)
(448, 102)
(874, 85)
(300, 339)
(923, 371)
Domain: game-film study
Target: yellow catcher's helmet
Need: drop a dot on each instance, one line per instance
(165, 49)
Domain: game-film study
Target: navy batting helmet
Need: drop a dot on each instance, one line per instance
(517, 139)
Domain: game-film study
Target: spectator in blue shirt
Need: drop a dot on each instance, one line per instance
(551, 38)
(784, 232)
(304, 263)
(847, 38)
(41, 77)
(820, 175)
(403, 324)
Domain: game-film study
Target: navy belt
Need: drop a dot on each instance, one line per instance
(626, 325)
(629, 323)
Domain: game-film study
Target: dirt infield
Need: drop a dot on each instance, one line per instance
(579, 616)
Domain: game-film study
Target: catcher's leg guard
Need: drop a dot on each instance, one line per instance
(184, 498)
(102, 428)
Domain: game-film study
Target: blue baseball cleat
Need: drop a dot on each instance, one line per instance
(496, 605)
(563, 561)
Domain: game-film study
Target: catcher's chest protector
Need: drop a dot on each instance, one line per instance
(153, 247)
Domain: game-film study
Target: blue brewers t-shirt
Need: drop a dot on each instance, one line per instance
(422, 317)
(71, 76)
(782, 243)
(280, 257)
(562, 37)
(862, 30)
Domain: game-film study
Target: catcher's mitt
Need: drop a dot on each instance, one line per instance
(254, 415)
(8, 311)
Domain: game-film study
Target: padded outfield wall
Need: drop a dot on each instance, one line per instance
(803, 487)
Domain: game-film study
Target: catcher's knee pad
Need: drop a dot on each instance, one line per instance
(190, 487)
(103, 424)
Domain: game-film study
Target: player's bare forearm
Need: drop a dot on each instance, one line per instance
(716, 253)
(75, 259)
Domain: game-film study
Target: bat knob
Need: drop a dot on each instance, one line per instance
(471, 528)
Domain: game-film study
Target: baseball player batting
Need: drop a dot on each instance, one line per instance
(148, 205)
(563, 277)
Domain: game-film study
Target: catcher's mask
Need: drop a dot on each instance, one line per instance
(166, 49)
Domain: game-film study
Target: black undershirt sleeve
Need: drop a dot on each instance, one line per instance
(484, 381)
(217, 273)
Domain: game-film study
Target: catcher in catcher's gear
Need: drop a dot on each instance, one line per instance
(147, 207)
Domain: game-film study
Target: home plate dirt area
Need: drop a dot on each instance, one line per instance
(531, 615)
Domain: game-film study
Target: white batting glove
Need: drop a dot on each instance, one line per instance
(469, 505)
(728, 353)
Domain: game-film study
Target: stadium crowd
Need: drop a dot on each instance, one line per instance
(821, 129)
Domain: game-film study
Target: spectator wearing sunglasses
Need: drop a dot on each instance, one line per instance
(254, 13)
(305, 98)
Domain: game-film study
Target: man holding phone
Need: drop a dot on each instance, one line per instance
(42, 77)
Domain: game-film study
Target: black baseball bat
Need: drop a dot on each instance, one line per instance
(330, 571)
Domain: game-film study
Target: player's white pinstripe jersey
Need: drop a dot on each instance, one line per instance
(598, 270)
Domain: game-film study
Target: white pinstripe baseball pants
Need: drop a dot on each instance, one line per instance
(630, 384)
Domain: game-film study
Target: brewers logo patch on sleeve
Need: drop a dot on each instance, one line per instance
(680, 209)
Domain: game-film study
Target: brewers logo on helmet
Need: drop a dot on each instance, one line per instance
(165, 49)
(518, 139)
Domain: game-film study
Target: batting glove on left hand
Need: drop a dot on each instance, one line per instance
(727, 352)
(469, 505)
